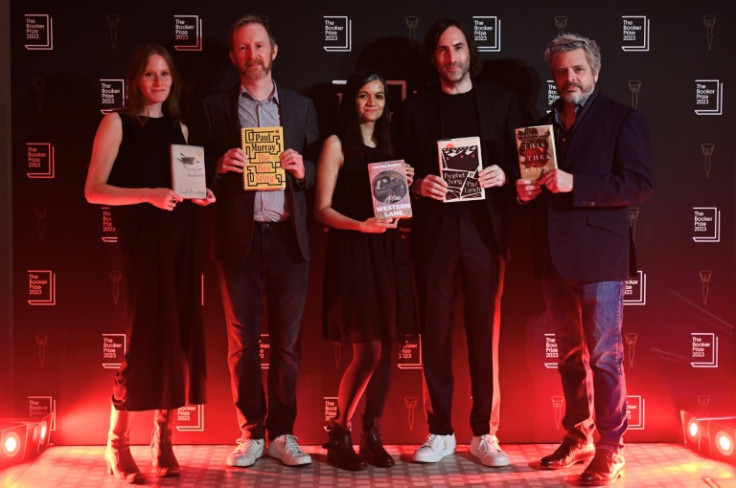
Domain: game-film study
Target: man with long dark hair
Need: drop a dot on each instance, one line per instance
(462, 238)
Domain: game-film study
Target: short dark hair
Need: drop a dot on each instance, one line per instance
(433, 37)
(134, 101)
(349, 131)
(251, 19)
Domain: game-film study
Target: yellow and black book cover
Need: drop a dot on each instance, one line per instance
(263, 146)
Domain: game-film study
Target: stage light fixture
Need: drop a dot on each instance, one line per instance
(693, 431)
(13, 437)
(22, 439)
(722, 434)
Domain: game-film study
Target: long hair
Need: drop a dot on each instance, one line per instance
(434, 33)
(349, 119)
(134, 101)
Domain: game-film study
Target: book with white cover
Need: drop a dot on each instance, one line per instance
(187, 171)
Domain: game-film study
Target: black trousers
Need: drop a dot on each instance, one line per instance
(273, 267)
(465, 247)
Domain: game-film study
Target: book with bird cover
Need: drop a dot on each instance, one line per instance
(187, 171)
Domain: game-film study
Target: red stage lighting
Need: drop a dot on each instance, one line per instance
(722, 435)
(693, 431)
(13, 437)
(23, 438)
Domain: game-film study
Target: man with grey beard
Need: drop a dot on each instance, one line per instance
(585, 251)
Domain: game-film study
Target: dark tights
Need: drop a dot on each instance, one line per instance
(370, 372)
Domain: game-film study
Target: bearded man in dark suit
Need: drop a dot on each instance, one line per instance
(585, 253)
(261, 242)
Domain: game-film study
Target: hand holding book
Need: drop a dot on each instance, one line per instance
(491, 176)
(431, 186)
(292, 162)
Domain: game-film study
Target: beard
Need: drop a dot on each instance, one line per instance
(455, 76)
(577, 97)
(251, 73)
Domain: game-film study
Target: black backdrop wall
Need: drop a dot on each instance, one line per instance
(671, 60)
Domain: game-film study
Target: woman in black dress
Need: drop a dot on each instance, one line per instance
(164, 365)
(368, 297)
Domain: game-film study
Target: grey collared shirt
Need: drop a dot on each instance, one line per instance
(270, 206)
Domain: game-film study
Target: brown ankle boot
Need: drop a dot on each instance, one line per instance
(119, 461)
(371, 444)
(162, 452)
(340, 451)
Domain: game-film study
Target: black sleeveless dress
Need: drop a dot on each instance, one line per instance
(164, 366)
(368, 293)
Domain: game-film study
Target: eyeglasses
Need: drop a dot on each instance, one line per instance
(567, 46)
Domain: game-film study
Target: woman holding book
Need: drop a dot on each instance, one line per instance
(368, 296)
(130, 169)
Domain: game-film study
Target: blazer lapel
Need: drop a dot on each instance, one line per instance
(590, 123)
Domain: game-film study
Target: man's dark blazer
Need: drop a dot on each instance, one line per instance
(498, 116)
(588, 229)
(220, 131)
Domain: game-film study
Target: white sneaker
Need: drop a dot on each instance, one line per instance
(486, 449)
(285, 449)
(246, 453)
(435, 448)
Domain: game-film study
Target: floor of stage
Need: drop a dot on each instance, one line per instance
(648, 465)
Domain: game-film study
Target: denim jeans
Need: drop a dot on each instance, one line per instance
(272, 268)
(587, 318)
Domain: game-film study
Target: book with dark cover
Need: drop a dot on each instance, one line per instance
(187, 171)
(262, 146)
(389, 189)
(536, 149)
(460, 161)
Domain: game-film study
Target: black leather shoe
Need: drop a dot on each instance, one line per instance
(340, 451)
(373, 452)
(569, 453)
(606, 466)
(371, 444)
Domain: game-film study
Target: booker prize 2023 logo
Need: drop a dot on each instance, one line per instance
(40, 160)
(410, 353)
(264, 350)
(41, 287)
(330, 408)
(39, 33)
(487, 33)
(41, 406)
(187, 33)
(338, 33)
(635, 292)
(113, 350)
(112, 94)
(706, 224)
(190, 418)
(635, 33)
(636, 406)
(552, 94)
(708, 97)
(704, 350)
(551, 352)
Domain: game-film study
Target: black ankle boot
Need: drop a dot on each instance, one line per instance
(340, 451)
(371, 444)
